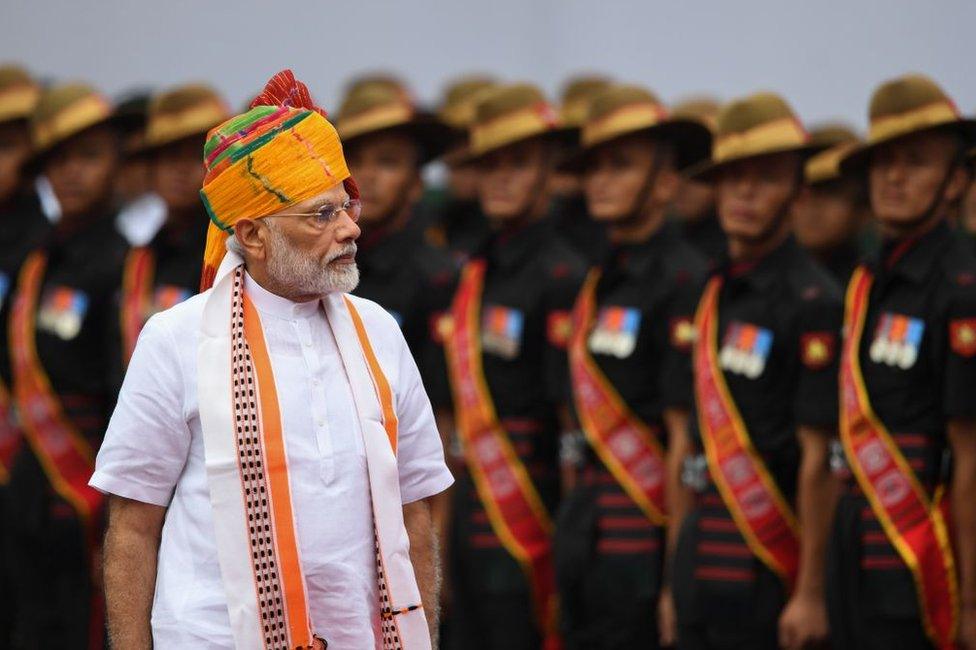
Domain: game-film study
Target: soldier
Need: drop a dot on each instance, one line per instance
(458, 219)
(765, 392)
(65, 366)
(630, 370)
(573, 223)
(21, 224)
(830, 214)
(694, 202)
(388, 141)
(165, 270)
(506, 357)
(967, 210)
(900, 575)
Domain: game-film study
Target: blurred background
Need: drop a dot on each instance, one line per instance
(824, 56)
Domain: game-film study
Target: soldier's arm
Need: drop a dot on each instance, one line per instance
(131, 547)
(962, 438)
(679, 501)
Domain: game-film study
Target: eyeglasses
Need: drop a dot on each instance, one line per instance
(328, 213)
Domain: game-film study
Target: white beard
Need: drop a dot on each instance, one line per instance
(299, 274)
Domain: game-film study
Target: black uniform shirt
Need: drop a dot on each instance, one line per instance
(415, 283)
(778, 338)
(574, 224)
(641, 340)
(707, 236)
(77, 321)
(179, 256)
(645, 306)
(22, 227)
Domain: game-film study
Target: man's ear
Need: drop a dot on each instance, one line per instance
(252, 238)
(957, 185)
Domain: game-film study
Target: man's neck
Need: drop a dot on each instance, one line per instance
(637, 230)
(895, 232)
(751, 250)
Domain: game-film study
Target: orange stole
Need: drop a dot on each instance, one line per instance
(67, 458)
(628, 448)
(915, 524)
(136, 301)
(748, 490)
(514, 507)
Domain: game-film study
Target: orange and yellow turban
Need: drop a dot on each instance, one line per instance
(281, 152)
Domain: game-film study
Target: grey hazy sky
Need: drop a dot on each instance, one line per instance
(824, 56)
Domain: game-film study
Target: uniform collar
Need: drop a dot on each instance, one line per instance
(511, 247)
(913, 258)
(638, 259)
(765, 272)
(275, 305)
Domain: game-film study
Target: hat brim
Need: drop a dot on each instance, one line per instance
(37, 156)
(857, 160)
(432, 135)
(560, 135)
(693, 142)
(707, 171)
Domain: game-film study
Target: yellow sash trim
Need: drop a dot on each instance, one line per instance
(856, 322)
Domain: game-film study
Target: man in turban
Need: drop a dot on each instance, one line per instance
(273, 449)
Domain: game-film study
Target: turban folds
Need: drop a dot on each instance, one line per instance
(281, 152)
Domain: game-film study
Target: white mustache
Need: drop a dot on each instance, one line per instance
(349, 249)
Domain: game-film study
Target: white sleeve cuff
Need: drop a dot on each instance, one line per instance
(109, 484)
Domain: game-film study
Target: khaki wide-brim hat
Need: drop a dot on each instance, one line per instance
(379, 107)
(574, 104)
(458, 109)
(761, 124)
(837, 141)
(66, 110)
(18, 94)
(621, 111)
(514, 113)
(181, 113)
(906, 106)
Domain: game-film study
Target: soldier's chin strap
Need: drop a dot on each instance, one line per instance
(643, 194)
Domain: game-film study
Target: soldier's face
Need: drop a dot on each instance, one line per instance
(386, 168)
(178, 174)
(514, 181)
(827, 215)
(82, 170)
(134, 177)
(14, 149)
(753, 194)
(694, 200)
(905, 175)
(462, 179)
(617, 177)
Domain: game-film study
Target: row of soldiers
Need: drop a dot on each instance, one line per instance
(668, 424)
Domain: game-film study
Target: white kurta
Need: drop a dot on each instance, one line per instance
(153, 452)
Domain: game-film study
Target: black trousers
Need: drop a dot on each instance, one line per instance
(876, 611)
(492, 607)
(716, 616)
(51, 573)
(608, 602)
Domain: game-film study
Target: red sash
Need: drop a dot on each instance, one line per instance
(515, 510)
(628, 448)
(66, 457)
(136, 302)
(760, 511)
(914, 523)
(9, 435)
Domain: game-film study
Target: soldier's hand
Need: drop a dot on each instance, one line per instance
(966, 637)
(803, 623)
(667, 621)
